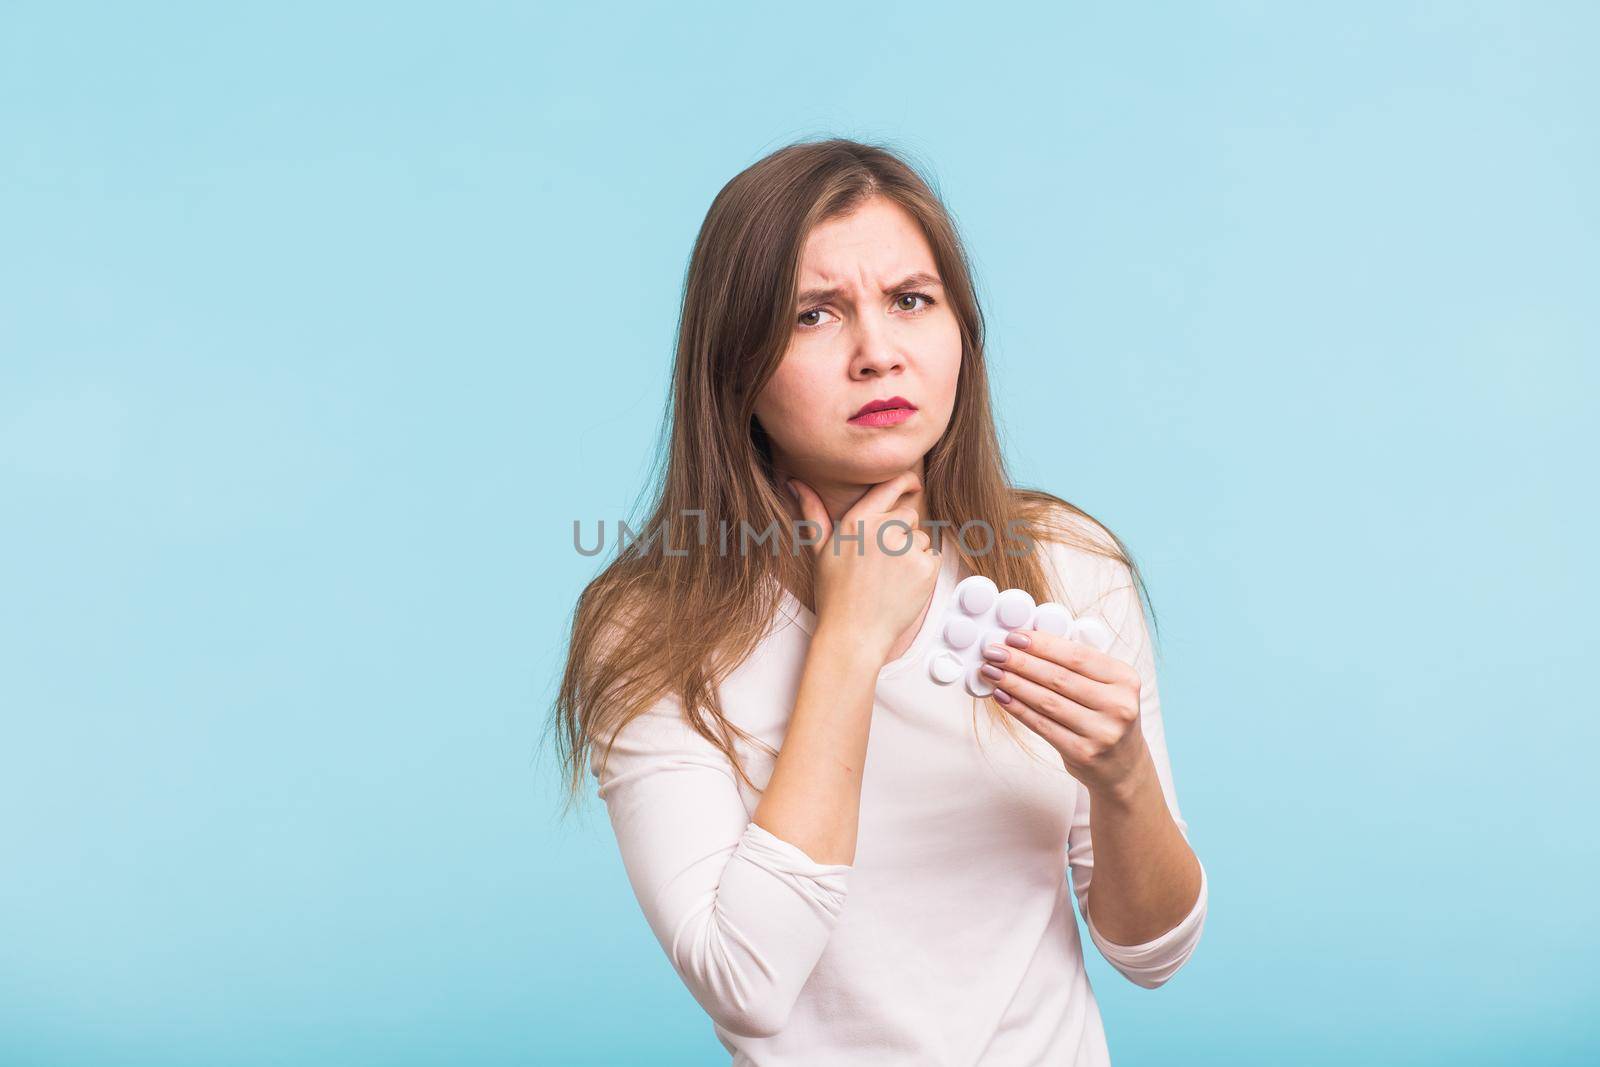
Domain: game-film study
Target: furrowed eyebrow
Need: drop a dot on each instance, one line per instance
(910, 281)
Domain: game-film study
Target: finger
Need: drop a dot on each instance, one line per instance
(1077, 720)
(883, 496)
(904, 515)
(895, 538)
(1060, 738)
(1050, 674)
(811, 508)
(1074, 655)
(896, 528)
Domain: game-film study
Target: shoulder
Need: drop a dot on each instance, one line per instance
(1083, 559)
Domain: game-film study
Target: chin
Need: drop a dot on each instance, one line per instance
(881, 462)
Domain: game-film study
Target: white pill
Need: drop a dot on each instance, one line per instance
(977, 684)
(976, 594)
(1052, 618)
(960, 632)
(1014, 608)
(945, 668)
(1092, 632)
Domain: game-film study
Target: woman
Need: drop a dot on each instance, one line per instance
(845, 861)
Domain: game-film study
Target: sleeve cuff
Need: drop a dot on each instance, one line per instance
(1150, 964)
(824, 884)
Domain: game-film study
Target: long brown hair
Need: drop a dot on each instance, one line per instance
(653, 623)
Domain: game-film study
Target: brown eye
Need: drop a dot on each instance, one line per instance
(913, 296)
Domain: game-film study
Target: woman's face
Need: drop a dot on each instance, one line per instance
(871, 324)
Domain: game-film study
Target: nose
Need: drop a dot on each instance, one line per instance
(875, 354)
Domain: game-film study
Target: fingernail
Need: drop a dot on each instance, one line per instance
(991, 672)
(1017, 639)
(995, 653)
(1002, 696)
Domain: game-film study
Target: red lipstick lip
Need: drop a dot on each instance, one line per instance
(884, 405)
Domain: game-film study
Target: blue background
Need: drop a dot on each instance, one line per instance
(319, 324)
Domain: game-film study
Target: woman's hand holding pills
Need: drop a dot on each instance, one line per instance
(1083, 701)
(868, 580)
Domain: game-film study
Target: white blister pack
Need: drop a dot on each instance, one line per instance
(981, 614)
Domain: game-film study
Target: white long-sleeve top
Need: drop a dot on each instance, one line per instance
(950, 940)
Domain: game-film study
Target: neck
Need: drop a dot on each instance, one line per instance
(839, 495)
